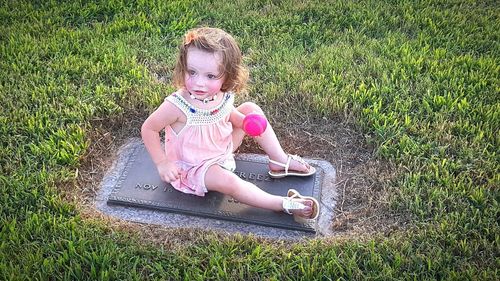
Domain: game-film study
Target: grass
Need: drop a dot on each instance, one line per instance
(420, 77)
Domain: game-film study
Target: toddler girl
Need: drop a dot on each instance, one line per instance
(203, 128)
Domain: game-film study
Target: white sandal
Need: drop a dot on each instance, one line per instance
(286, 172)
(291, 205)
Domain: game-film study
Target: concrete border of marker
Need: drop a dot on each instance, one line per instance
(175, 220)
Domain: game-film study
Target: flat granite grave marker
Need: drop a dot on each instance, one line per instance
(139, 185)
(111, 201)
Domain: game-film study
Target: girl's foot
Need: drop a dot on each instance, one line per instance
(290, 165)
(298, 207)
(303, 208)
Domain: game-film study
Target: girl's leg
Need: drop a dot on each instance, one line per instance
(226, 182)
(268, 141)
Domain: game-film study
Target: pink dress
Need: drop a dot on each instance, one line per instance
(205, 140)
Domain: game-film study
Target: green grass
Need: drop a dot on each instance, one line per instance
(420, 77)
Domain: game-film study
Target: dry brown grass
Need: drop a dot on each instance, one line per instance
(362, 180)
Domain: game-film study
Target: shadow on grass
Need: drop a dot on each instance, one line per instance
(362, 206)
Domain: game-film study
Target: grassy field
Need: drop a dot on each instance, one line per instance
(421, 79)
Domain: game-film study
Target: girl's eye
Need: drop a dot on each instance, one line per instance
(211, 76)
(191, 72)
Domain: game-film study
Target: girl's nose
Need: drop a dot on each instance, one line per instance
(199, 81)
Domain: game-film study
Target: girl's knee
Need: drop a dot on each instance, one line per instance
(249, 107)
(235, 181)
(224, 182)
(232, 186)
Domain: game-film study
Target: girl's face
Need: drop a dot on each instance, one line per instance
(203, 78)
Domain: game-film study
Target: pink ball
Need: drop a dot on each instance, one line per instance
(254, 124)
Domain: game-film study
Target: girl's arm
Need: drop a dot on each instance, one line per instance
(165, 115)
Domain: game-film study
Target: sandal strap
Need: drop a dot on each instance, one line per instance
(289, 204)
(288, 160)
(298, 159)
(277, 163)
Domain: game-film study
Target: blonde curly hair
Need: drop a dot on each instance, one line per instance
(214, 40)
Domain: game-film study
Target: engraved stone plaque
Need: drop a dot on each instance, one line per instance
(139, 185)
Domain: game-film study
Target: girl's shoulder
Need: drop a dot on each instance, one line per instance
(171, 102)
(177, 95)
(178, 103)
(182, 93)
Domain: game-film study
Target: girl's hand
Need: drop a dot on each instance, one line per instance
(168, 171)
